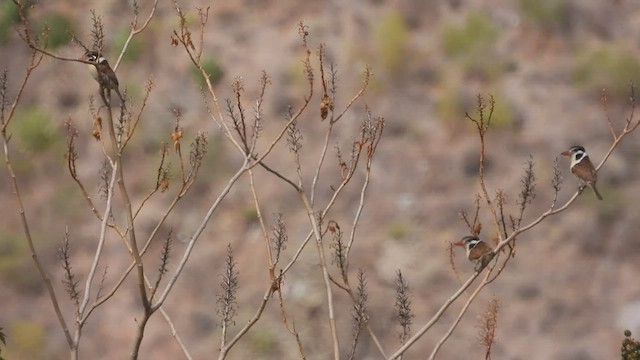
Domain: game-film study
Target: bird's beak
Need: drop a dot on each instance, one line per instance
(566, 153)
(459, 243)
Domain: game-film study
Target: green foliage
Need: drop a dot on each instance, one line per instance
(12, 250)
(475, 36)
(503, 114)
(9, 16)
(250, 214)
(28, 338)
(392, 37)
(606, 67)
(60, 29)
(544, 14)
(34, 130)
(15, 264)
(449, 105)
(263, 342)
(398, 230)
(213, 68)
(66, 200)
(630, 349)
(471, 44)
(135, 48)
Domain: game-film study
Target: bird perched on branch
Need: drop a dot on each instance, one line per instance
(583, 168)
(102, 73)
(478, 251)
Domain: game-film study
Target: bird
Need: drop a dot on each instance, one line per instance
(478, 251)
(102, 72)
(583, 168)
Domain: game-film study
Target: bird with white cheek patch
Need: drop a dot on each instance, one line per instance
(478, 251)
(102, 72)
(582, 167)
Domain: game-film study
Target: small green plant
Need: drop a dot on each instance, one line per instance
(28, 338)
(398, 230)
(503, 114)
(546, 15)
(392, 38)
(471, 44)
(607, 67)
(213, 69)
(9, 16)
(263, 343)
(15, 265)
(60, 29)
(12, 250)
(34, 130)
(630, 349)
(65, 199)
(449, 105)
(250, 214)
(476, 35)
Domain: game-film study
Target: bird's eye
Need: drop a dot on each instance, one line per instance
(579, 155)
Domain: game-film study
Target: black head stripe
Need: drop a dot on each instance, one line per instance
(580, 155)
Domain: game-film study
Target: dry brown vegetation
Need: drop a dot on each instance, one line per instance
(285, 189)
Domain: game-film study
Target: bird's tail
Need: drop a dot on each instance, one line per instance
(595, 191)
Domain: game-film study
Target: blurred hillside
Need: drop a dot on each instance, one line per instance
(570, 291)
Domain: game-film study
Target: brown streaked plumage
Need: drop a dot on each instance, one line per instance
(582, 167)
(478, 251)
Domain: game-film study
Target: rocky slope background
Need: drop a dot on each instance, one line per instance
(572, 287)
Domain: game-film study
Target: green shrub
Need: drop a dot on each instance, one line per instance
(263, 342)
(449, 105)
(135, 48)
(475, 36)
(503, 114)
(544, 14)
(13, 249)
(60, 29)
(392, 37)
(66, 200)
(213, 69)
(250, 214)
(16, 267)
(606, 67)
(28, 338)
(9, 16)
(34, 130)
(472, 45)
(398, 230)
